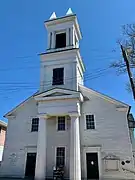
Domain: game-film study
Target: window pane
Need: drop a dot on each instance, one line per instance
(61, 123)
(35, 123)
(60, 156)
(90, 124)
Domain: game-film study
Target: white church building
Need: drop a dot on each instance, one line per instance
(65, 123)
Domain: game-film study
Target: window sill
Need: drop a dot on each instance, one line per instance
(60, 49)
(61, 131)
(91, 130)
(57, 84)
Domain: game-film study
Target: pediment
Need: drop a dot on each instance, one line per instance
(57, 93)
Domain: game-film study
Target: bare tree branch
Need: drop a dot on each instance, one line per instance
(128, 42)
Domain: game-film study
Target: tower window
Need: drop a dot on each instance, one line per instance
(58, 76)
(60, 40)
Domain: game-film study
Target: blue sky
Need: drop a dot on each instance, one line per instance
(23, 36)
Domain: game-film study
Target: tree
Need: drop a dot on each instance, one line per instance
(127, 46)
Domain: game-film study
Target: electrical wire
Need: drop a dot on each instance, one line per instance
(12, 89)
(26, 85)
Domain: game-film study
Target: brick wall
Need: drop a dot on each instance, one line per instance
(2, 136)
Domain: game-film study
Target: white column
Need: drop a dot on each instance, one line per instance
(71, 36)
(49, 40)
(53, 40)
(67, 37)
(75, 157)
(40, 171)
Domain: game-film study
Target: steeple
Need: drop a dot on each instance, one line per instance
(61, 64)
(63, 32)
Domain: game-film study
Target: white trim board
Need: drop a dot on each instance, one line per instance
(84, 163)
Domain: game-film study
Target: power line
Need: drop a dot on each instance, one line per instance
(91, 50)
(86, 74)
(37, 67)
(25, 85)
(33, 88)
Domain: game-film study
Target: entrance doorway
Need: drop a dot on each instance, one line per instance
(92, 166)
(30, 165)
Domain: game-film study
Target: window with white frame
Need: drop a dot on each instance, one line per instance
(60, 156)
(61, 123)
(90, 122)
(58, 76)
(35, 123)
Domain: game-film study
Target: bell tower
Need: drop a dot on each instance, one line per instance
(61, 64)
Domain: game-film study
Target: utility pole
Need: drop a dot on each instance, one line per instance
(128, 70)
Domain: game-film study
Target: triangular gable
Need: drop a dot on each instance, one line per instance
(119, 104)
(56, 92)
(52, 92)
(19, 105)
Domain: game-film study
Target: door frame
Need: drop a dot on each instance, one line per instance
(92, 150)
(27, 161)
(29, 149)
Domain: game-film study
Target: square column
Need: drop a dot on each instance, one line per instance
(40, 171)
(49, 40)
(75, 158)
(67, 37)
(72, 36)
(53, 38)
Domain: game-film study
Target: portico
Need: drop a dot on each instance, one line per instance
(73, 100)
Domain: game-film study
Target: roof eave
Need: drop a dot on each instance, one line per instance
(3, 124)
(73, 17)
(113, 100)
(9, 114)
(59, 19)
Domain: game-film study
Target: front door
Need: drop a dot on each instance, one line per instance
(30, 165)
(92, 166)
